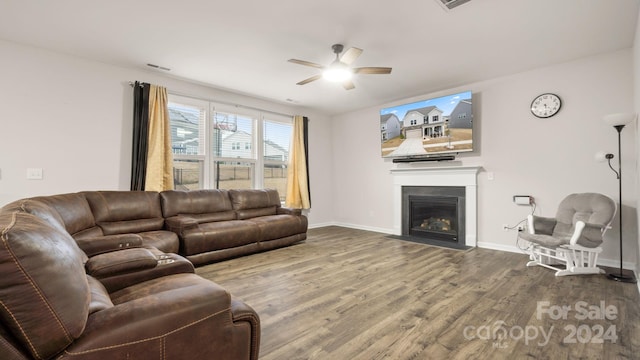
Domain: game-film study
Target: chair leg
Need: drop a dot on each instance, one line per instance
(545, 257)
(575, 260)
(580, 261)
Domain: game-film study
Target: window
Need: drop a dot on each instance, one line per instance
(216, 146)
(187, 142)
(276, 139)
(434, 118)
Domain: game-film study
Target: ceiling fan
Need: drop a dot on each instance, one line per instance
(339, 70)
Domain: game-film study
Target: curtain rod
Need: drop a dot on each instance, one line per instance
(132, 84)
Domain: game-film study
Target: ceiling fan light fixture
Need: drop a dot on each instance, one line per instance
(337, 72)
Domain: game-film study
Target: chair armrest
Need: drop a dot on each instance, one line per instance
(577, 232)
(103, 244)
(589, 235)
(289, 211)
(120, 262)
(541, 225)
(180, 223)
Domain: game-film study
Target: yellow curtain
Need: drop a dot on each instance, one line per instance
(297, 182)
(159, 156)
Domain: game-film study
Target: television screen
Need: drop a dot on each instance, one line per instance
(437, 126)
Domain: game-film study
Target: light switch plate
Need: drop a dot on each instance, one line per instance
(34, 173)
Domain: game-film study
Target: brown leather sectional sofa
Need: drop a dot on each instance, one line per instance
(99, 275)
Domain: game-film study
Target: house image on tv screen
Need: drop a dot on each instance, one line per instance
(389, 127)
(434, 126)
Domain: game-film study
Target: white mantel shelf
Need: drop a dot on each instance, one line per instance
(439, 176)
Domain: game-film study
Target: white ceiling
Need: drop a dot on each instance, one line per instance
(244, 45)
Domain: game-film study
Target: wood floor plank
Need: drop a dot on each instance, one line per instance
(354, 294)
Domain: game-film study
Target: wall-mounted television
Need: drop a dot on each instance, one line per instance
(428, 128)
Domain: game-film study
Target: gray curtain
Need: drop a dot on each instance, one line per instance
(140, 135)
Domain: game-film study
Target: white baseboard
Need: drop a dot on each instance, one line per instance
(321, 225)
(367, 228)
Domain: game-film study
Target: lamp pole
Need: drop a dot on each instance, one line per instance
(620, 276)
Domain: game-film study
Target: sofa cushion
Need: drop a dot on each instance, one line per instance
(279, 226)
(204, 205)
(165, 241)
(43, 288)
(218, 235)
(253, 203)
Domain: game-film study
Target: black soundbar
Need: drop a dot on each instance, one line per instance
(424, 158)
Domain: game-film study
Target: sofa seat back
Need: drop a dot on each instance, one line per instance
(254, 203)
(69, 212)
(44, 290)
(203, 206)
(120, 212)
(136, 212)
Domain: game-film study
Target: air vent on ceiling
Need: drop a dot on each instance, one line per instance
(158, 67)
(450, 4)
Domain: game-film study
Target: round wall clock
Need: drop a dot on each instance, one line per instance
(546, 105)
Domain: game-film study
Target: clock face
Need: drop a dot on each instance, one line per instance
(546, 105)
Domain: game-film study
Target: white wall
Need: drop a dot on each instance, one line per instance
(545, 158)
(73, 118)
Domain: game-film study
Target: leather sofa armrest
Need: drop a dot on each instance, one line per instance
(103, 244)
(289, 211)
(243, 315)
(120, 262)
(180, 223)
(184, 310)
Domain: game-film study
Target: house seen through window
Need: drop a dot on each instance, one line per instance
(216, 146)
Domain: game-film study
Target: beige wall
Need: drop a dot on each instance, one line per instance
(544, 158)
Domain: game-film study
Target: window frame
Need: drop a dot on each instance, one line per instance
(207, 178)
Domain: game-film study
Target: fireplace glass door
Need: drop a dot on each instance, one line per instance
(434, 217)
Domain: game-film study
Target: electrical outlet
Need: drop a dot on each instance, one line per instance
(505, 227)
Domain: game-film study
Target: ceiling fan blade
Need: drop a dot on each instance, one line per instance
(306, 63)
(350, 55)
(348, 85)
(313, 78)
(372, 70)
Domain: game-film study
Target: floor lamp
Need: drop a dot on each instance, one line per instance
(618, 121)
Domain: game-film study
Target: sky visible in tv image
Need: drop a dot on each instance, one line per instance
(444, 103)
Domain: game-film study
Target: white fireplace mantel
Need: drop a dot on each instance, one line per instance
(439, 176)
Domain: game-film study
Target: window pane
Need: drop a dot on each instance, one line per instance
(187, 174)
(275, 177)
(186, 123)
(233, 175)
(277, 137)
(232, 136)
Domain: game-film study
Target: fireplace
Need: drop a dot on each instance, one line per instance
(462, 180)
(434, 214)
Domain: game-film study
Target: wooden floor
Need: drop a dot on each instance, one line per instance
(353, 294)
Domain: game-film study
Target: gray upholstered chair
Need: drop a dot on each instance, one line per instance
(570, 242)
